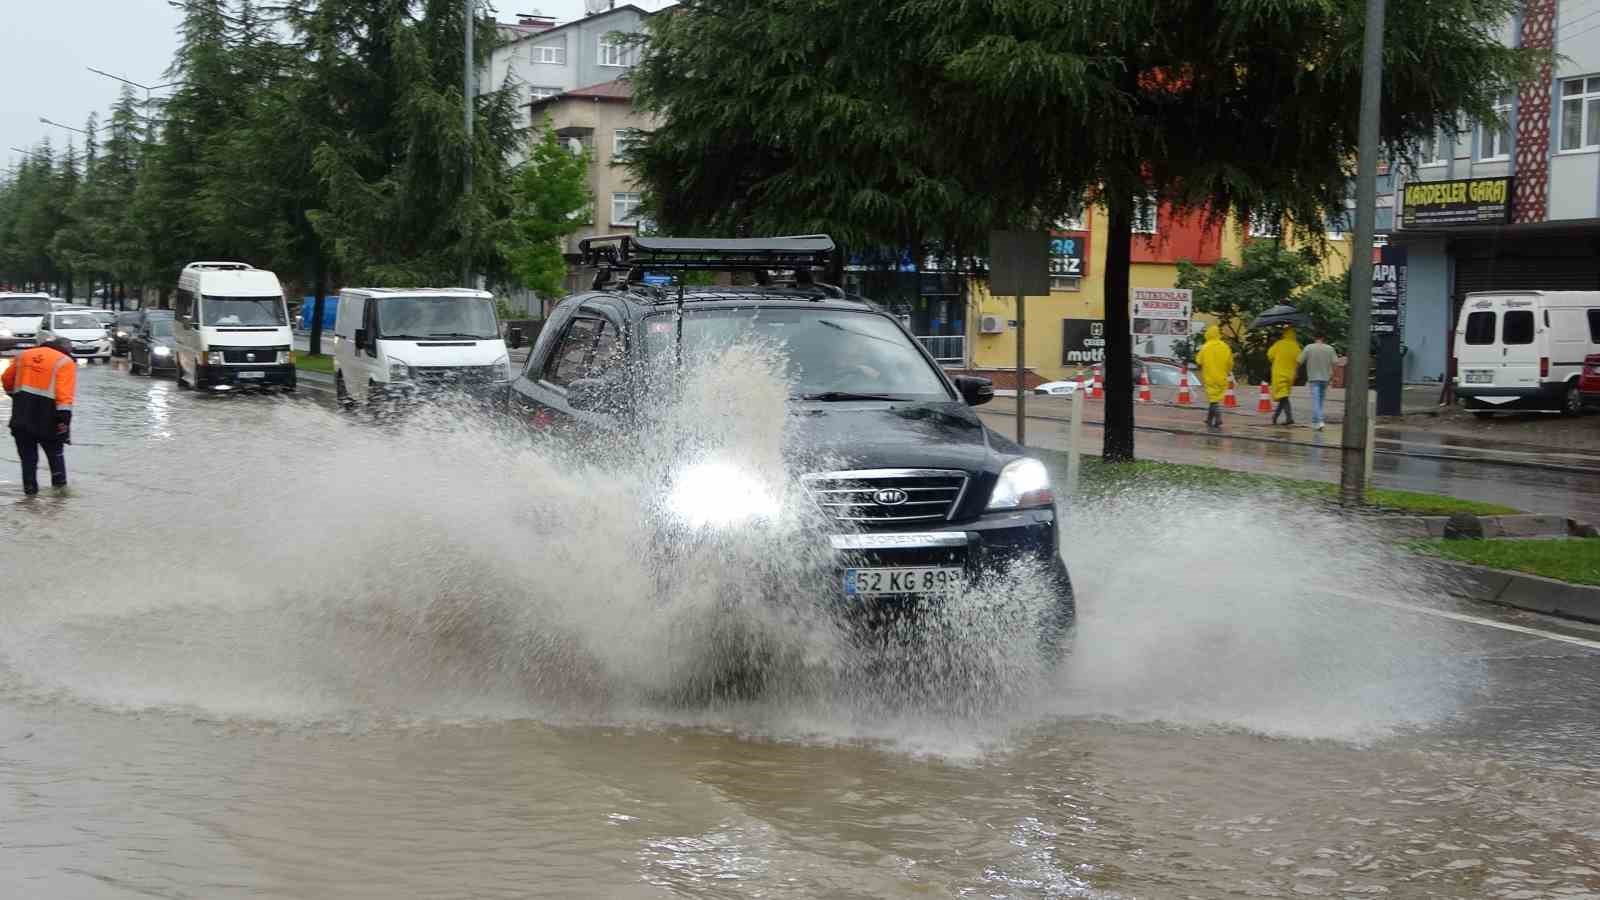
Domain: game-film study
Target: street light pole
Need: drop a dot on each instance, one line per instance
(67, 127)
(147, 88)
(1353, 473)
(468, 89)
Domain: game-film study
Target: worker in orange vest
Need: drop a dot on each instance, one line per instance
(42, 383)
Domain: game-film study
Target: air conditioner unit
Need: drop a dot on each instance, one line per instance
(992, 325)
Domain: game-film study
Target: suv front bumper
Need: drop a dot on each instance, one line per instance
(982, 548)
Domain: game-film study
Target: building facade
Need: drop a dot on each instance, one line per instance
(1506, 207)
(539, 58)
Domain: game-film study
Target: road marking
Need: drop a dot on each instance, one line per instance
(1475, 620)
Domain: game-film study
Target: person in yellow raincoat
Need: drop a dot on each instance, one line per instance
(1216, 366)
(1285, 358)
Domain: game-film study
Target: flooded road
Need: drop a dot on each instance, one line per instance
(262, 651)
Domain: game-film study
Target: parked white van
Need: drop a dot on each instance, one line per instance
(397, 341)
(21, 317)
(1525, 349)
(232, 328)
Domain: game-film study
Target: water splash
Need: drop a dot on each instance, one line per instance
(304, 567)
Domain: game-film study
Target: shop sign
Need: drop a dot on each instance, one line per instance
(1067, 257)
(1161, 310)
(1082, 341)
(1463, 201)
(1389, 292)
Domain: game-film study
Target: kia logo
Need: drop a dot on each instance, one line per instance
(889, 497)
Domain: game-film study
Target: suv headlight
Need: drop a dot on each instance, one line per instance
(4, 332)
(719, 495)
(214, 358)
(399, 371)
(159, 350)
(1023, 484)
(502, 368)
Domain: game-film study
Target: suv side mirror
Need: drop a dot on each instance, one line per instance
(974, 390)
(514, 338)
(361, 339)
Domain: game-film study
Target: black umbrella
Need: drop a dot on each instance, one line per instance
(1281, 315)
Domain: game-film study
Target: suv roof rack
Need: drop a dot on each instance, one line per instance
(759, 256)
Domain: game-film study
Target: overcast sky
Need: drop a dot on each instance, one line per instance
(45, 46)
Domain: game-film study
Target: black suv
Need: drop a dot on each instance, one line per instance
(920, 496)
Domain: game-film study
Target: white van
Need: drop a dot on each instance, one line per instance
(21, 317)
(232, 328)
(1525, 349)
(398, 341)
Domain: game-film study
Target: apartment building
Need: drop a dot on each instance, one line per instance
(1512, 206)
(540, 58)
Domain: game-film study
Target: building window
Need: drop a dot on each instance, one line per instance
(1434, 150)
(1144, 215)
(1337, 225)
(615, 52)
(1072, 220)
(625, 208)
(550, 52)
(1494, 141)
(535, 94)
(1580, 114)
(1266, 223)
(623, 140)
(1066, 283)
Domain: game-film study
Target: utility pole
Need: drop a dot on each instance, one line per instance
(1353, 472)
(468, 89)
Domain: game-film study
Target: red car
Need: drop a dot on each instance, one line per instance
(1589, 381)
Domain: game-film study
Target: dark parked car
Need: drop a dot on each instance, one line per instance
(150, 348)
(122, 329)
(920, 497)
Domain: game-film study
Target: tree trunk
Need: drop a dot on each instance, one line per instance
(69, 285)
(164, 301)
(1118, 443)
(320, 287)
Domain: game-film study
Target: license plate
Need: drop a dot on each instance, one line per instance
(252, 374)
(1480, 378)
(911, 580)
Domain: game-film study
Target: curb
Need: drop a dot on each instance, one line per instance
(1530, 593)
(1517, 526)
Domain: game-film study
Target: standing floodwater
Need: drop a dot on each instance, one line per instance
(333, 658)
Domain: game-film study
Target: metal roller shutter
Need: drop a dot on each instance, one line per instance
(1554, 264)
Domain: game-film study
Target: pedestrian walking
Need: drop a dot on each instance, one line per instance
(42, 383)
(1318, 358)
(1216, 367)
(1285, 358)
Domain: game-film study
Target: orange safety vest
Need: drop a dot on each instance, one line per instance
(41, 382)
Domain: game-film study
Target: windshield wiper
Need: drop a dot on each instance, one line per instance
(458, 334)
(836, 396)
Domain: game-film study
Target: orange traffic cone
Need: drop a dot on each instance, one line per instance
(1228, 399)
(1264, 405)
(1144, 386)
(1183, 388)
(1097, 392)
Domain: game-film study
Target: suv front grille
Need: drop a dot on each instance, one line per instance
(877, 498)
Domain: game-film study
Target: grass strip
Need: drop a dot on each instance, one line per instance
(305, 362)
(1099, 478)
(1576, 560)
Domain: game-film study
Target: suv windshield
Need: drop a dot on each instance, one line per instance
(161, 327)
(75, 320)
(832, 354)
(24, 307)
(421, 318)
(128, 318)
(245, 311)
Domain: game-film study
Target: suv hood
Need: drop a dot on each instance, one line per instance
(897, 435)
